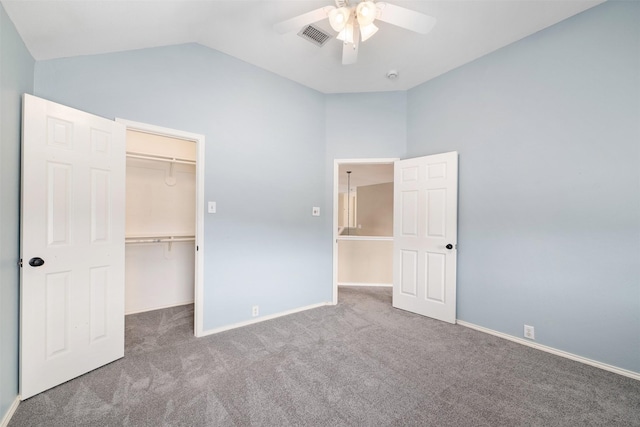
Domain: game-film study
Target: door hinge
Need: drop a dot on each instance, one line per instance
(20, 263)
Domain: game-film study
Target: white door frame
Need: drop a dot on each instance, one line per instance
(336, 167)
(199, 264)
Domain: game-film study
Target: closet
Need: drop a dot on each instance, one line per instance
(160, 222)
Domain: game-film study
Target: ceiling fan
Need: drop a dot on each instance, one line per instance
(355, 23)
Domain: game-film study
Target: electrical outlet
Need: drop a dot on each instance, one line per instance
(255, 310)
(315, 211)
(529, 332)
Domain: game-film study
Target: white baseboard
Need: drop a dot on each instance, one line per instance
(381, 285)
(144, 310)
(10, 412)
(262, 319)
(561, 353)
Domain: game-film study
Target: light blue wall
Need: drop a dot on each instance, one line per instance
(16, 77)
(548, 131)
(264, 164)
(366, 125)
(363, 126)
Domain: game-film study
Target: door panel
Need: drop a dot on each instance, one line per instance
(409, 272)
(409, 216)
(435, 280)
(56, 312)
(100, 206)
(436, 213)
(99, 303)
(58, 218)
(72, 306)
(425, 222)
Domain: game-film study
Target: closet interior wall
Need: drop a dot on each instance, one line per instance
(160, 222)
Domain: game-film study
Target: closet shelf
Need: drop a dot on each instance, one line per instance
(145, 156)
(160, 239)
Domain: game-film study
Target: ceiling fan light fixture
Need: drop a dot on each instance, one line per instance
(366, 13)
(346, 35)
(353, 21)
(339, 17)
(367, 31)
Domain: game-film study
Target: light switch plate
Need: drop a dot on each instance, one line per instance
(212, 207)
(315, 211)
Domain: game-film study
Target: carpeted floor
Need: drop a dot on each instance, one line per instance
(361, 363)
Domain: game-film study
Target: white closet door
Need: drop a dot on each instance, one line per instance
(72, 279)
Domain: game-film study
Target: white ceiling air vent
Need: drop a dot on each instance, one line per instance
(315, 35)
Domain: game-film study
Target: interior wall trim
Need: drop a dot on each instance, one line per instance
(557, 352)
(10, 412)
(379, 285)
(262, 319)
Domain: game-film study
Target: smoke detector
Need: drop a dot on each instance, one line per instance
(392, 75)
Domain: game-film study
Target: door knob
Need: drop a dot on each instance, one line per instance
(36, 262)
(449, 246)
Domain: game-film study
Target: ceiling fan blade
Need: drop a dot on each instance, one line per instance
(350, 50)
(305, 19)
(405, 18)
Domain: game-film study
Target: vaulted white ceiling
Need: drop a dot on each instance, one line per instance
(465, 30)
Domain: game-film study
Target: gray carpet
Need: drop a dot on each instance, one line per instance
(361, 363)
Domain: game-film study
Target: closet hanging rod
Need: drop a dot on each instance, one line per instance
(144, 156)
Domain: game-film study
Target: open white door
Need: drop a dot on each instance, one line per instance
(72, 249)
(425, 235)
